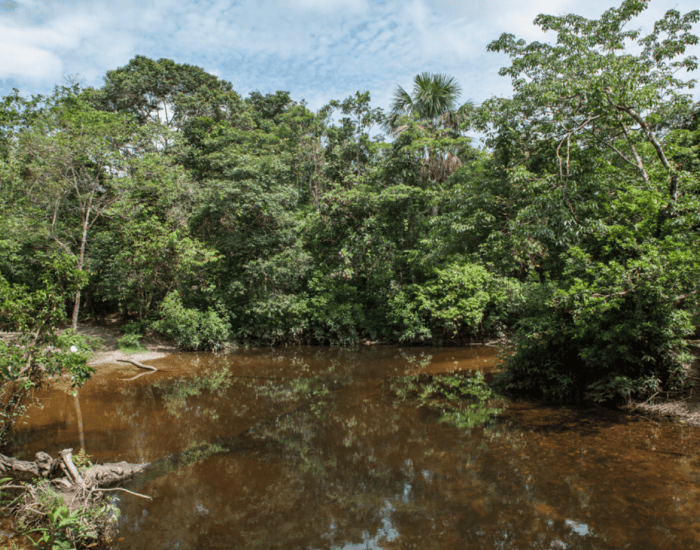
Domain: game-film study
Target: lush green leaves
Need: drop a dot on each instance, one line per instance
(257, 220)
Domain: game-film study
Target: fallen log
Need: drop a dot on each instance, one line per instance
(44, 466)
(96, 476)
(79, 489)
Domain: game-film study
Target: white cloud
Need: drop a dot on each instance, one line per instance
(317, 49)
(328, 6)
(24, 61)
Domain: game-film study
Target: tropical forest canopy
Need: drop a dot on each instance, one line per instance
(575, 231)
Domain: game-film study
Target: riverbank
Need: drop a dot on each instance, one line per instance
(684, 409)
(104, 338)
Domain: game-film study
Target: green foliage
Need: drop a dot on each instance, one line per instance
(612, 332)
(190, 328)
(336, 312)
(617, 103)
(257, 220)
(149, 90)
(460, 300)
(59, 528)
(38, 350)
(130, 343)
(605, 215)
(82, 460)
(433, 101)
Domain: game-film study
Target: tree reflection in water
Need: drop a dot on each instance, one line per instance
(311, 448)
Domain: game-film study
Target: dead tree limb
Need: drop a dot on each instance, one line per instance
(139, 365)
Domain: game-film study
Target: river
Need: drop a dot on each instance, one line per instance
(312, 448)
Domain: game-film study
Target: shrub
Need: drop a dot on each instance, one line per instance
(336, 312)
(461, 299)
(130, 343)
(612, 332)
(190, 328)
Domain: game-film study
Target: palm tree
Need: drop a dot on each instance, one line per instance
(433, 104)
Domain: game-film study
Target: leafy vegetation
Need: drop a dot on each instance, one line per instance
(214, 218)
(47, 521)
(34, 350)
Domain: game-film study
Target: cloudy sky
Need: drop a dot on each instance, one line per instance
(317, 49)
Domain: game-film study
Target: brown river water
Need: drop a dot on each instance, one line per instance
(309, 448)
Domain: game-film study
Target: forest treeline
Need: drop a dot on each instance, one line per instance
(210, 217)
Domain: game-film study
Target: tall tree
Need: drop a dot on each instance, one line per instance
(433, 103)
(589, 89)
(432, 109)
(167, 96)
(585, 151)
(157, 90)
(79, 166)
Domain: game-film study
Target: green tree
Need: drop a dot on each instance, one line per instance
(584, 172)
(432, 114)
(37, 350)
(167, 96)
(144, 248)
(160, 91)
(433, 102)
(77, 167)
(589, 89)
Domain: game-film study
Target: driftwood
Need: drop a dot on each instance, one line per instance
(139, 365)
(96, 476)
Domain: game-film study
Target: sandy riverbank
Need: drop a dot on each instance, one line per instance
(104, 338)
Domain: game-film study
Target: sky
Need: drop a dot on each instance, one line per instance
(318, 50)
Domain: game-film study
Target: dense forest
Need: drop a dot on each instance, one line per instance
(573, 232)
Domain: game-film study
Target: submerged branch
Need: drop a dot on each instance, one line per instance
(139, 365)
(126, 491)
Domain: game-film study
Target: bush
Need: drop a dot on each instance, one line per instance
(336, 311)
(612, 332)
(190, 328)
(460, 300)
(130, 343)
(273, 319)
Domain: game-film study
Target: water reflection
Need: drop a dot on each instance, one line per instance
(310, 448)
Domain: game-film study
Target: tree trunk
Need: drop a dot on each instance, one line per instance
(76, 308)
(81, 260)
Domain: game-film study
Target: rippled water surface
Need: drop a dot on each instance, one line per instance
(310, 448)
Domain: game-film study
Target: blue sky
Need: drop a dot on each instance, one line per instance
(318, 50)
